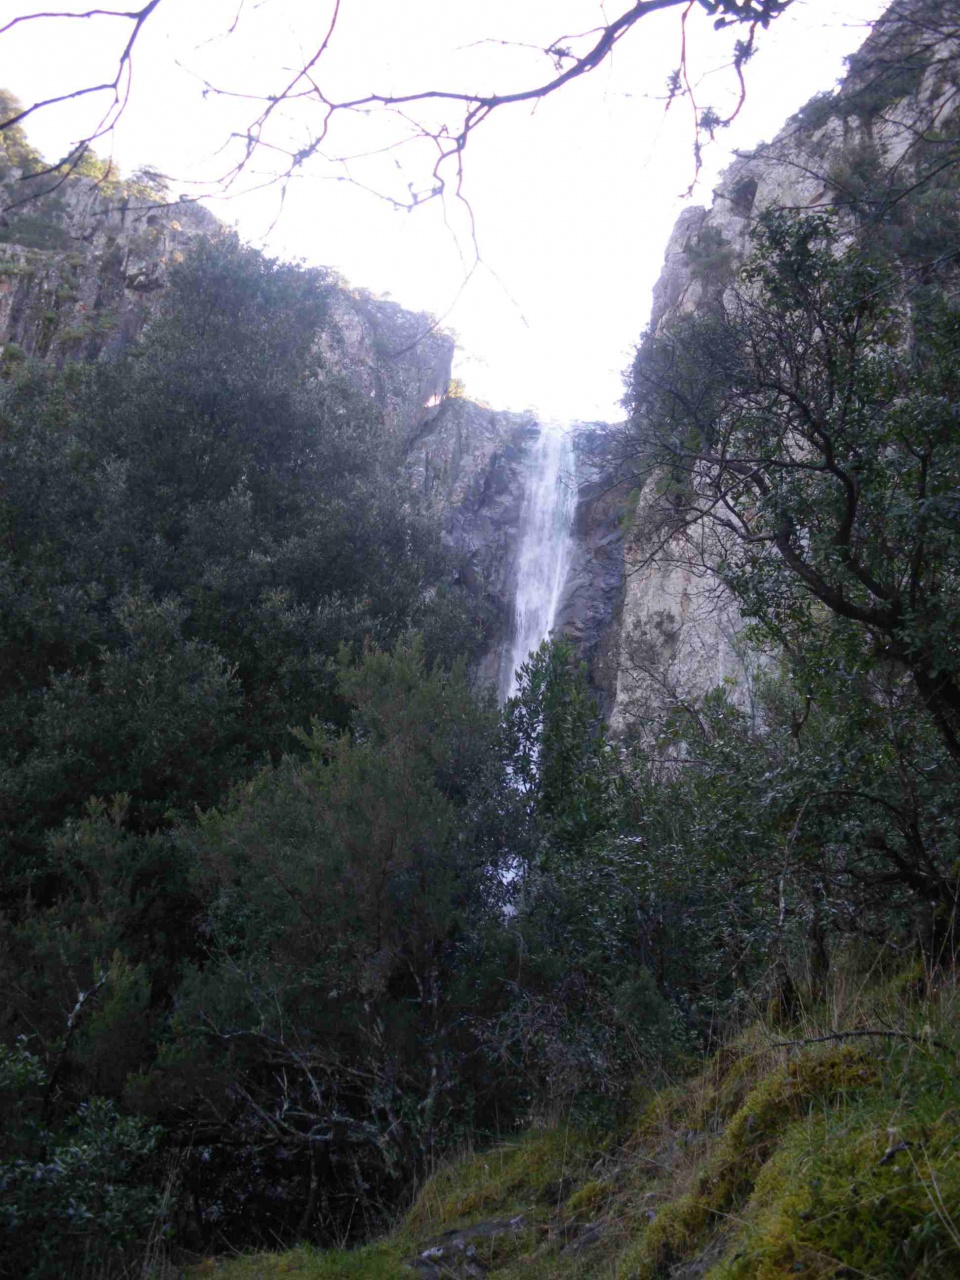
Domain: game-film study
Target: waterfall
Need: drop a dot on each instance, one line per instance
(544, 552)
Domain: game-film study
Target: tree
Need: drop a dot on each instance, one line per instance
(187, 537)
(807, 420)
(84, 1194)
(347, 895)
(445, 118)
(560, 760)
(804, 430)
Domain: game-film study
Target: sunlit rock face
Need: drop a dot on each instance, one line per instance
(680, 632)
(94, 265)
(87, 275)
(399, 358)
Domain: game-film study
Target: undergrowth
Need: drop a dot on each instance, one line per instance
(826, 1149)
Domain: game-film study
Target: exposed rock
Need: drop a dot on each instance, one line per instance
(397, 357)
(680, 628)
(680, 631)
(455, 1254)
(472, 464)
(468, 464)
(590, 611)
(95, 291)
(93, 274)
(590, 1233)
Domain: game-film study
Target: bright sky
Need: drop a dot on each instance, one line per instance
(573, 201)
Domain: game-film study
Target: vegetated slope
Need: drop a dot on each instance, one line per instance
(829, 1147)
(299, 969)
(803, 384)
(86, 264)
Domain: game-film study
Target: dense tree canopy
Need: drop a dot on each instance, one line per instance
(290, 908)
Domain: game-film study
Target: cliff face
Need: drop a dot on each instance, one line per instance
(83, 270)
(472, 464)
(79, 277)
(680, 630)
(95, 267)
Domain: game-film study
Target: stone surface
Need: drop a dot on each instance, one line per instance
(455, 1253)
(95, 286)
(95, 292)
(590, 610)
(680, 629)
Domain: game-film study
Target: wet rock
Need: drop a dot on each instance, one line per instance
(589, 1234)
(455, 1254)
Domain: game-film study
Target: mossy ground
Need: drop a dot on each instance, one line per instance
(823, 1160)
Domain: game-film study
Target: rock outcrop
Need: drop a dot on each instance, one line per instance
(468, 465)
(590, 612)
(80, 278)
(83, 270)
(680, 629)
(96, 268)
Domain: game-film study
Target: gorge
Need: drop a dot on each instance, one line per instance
(84, 269)
(329, 947)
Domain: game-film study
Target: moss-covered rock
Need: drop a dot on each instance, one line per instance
(536, 1175)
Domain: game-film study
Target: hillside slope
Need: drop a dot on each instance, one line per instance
(827, 1148)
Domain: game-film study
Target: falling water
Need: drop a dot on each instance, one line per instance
(544, 557)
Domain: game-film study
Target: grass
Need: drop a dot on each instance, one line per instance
(372, 1262)
(772, 1160)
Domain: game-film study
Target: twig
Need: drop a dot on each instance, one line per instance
(849, 1035)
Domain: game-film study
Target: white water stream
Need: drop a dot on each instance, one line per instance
(545, 543)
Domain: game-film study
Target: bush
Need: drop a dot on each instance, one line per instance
(82, 1195)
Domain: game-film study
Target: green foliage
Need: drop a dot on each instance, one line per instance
(194, 540)
(190, 535)
(711, 259)
(281, 881)
(559, 755)
(767, 1161)
(507, 1179)
(834, 442)
(84, 1194)
(370, 1262)
(15, 151)
(348, 892)
(587, 1007)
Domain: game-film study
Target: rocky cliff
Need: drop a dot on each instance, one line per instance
(83, 268)
(680, 630)
(95, 264)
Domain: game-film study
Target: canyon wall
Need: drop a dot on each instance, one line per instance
(680, 632)
(83, 269)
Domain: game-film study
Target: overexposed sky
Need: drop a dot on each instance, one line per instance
(572, 200)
